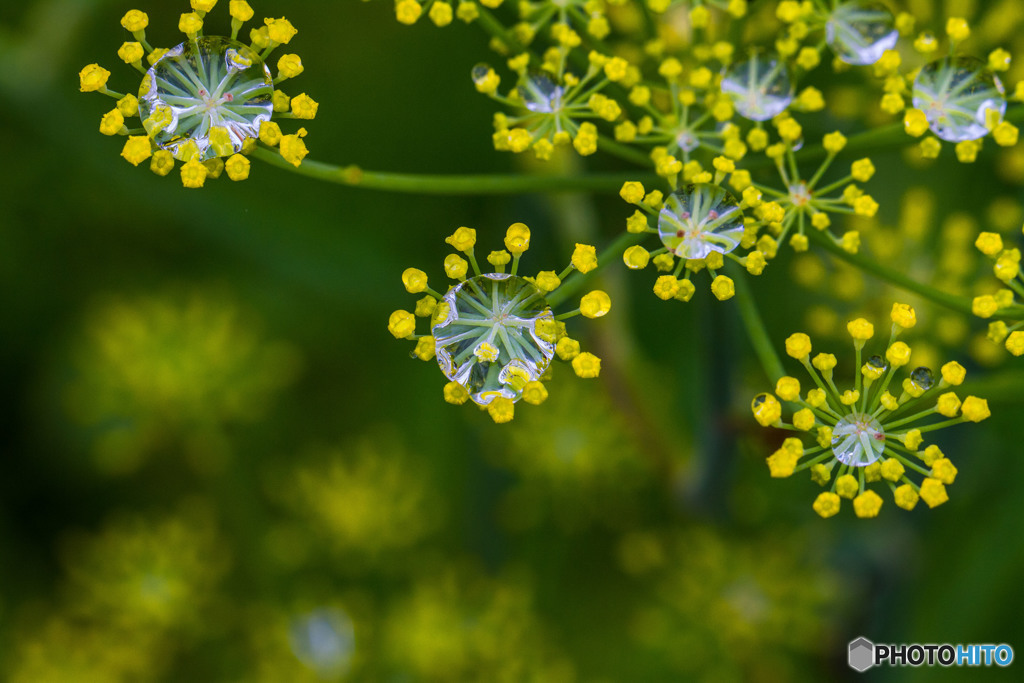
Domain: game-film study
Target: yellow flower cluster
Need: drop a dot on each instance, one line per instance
(211, 128)
(494, 334)
(872, 432)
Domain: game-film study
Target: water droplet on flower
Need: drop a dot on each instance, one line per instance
(860, 31)
(878, 363)
(479, 73)
(922, 378)
(760, 88)
(700, 219)
(540, 94)
(502, 311)
(800, 194)
(858, 440)
(202, 84)
(687, 140)
(323, 640)
(957, 95)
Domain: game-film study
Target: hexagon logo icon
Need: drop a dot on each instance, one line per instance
(861, 656)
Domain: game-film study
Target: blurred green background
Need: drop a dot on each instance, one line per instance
(219, 466)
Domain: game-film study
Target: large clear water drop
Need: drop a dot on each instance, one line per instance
(489, 341)
(540, 94)
(202, 84)
(759, 87)
(858, 440)
(957, 96)
(700, 219)
(859, 32)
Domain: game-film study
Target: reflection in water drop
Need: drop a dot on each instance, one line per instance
(922, 378)
(479, 73)
(324, 641)
(489, 342)
(759, 87)
(860, 31)
(958, 95)
(205, 84)
(700, 219)
(858, 440)
(540, 94)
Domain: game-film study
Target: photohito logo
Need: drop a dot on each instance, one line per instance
(863, 654)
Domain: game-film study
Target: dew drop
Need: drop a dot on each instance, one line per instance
(700, 219)
(922, 378)
(760, 88)
(479, 73)
(540, 94)
(860, 31)
(878, 363)
(205, 83)
(687, 140)
(858, 440)
(502, 310)
(956, 95)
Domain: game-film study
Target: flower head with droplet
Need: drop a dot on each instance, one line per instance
(805, 202)
(956, 98)
(699, 226)
(553, 106)
(494, 334)
(207, 102)
(1007, 303)
(868, 434)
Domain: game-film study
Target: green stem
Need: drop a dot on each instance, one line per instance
(898, 279)
(754, 325)
(496, 184)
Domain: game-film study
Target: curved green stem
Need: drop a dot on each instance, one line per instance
(754, 325)
(355, 176)
(898, 279)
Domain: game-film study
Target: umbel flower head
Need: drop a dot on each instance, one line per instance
(873, 432)
(207, 102)
(494, 334)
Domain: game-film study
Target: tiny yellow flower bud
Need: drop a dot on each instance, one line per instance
(92, 78)
(190, 24)
(595, 304)
(867, 504)
(788, 389)
(567, 348)
(903, 315)
(798, 346)
(237, 167)
(517, 238)
(280, 30)
(586, 365)
(766, 409)
(723, 288)
(933, 492)
(293, 149)
(826, 504)
(415, 280)
(401, 324)
(304, 107)
(975, 409)
(860, 329)
(455, 266)
(636, 257)
(584, 258)
(948, 404)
